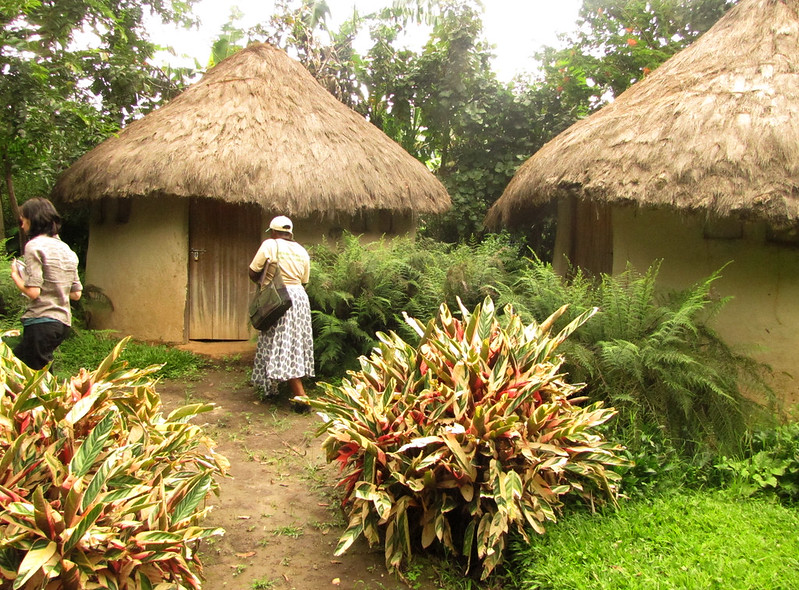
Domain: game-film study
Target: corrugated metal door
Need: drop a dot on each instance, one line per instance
(223, 238)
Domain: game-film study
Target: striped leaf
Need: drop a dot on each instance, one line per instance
(196, 493)
(75, 534)
(183, 413)
(157, 537)
(92, 446)
(354, 530)
(99, 479)
(102, 371)
(39, 555)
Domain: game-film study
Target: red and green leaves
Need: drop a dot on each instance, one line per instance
(473, 429)
(97, 487)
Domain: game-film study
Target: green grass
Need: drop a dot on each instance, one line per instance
(87, 349)
(689, 541)
(289, 531)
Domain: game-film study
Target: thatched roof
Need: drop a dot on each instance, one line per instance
(714, 128)
(258, 128)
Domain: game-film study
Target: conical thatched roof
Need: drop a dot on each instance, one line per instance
(715, 128)
(257, 129)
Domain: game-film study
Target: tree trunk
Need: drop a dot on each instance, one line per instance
(2, 220)
(12, 199)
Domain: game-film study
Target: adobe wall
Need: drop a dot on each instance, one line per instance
(762, 276)
(138, 256)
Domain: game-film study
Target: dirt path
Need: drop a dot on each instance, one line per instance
(279, 509)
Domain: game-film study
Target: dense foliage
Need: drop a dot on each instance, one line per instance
(769, 468)
(619, 42)
(444, 104)
(72, 73)
(12, 303)
(359, 289)
(463, 437)
(97, 487)
(651, 354)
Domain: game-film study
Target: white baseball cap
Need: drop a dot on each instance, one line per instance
(282, 223)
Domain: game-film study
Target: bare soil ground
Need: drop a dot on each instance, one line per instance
(280, 509)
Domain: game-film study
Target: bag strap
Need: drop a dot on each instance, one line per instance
(277, 266)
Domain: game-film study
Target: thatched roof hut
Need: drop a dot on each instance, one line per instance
(181, 197)
(695, 167)
(259, 129)
(715, 128)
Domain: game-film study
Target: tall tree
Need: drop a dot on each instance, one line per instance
(478, 130)
(73, 72)
(618, 42)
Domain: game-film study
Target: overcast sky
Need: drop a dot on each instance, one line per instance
(517, 28)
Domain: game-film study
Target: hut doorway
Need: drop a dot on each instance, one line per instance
(222, 240)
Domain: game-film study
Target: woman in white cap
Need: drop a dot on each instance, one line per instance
(285, 351)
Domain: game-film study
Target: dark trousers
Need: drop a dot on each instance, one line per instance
(38, 343)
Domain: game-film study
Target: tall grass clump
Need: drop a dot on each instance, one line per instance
(652, 355)
(358, 289)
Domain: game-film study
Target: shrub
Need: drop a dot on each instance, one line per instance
(772, 467)
(97, 487)
(460, 439)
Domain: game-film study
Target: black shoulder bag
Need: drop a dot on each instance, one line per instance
(271, 301)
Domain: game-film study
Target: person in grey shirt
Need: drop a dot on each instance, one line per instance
(49, 279)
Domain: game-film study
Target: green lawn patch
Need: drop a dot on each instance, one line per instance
(88, 348)
(695, 541)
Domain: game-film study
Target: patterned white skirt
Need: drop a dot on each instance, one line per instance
(285, 351)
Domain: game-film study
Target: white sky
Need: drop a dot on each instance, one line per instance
(517, 28)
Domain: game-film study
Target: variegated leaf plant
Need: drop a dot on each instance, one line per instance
(459, 439)
(97, 488)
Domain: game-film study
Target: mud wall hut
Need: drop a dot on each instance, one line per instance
(696, 166)
(180, 199)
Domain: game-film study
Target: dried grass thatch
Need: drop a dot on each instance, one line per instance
(714, 128)
(258, 129)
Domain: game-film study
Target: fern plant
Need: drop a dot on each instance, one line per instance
(357, 289)
(652, 356)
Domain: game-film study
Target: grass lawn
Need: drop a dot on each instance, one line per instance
(691, 541)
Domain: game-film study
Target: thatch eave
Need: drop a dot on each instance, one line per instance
(714, 129)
